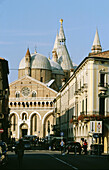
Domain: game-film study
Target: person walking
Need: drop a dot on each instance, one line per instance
(20, 152)
(62, 146)
(85, 147)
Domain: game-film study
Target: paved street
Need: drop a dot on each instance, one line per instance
(54, 160)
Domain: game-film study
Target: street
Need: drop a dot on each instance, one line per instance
(44, 159)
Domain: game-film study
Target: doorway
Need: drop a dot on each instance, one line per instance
(24, 132)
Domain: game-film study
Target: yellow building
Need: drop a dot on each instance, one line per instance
(85, 98)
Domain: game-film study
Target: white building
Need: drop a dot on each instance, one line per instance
(85, 97)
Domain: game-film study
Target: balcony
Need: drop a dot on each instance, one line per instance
(103, 87)
(74, 120)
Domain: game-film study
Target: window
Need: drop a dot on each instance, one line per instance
(17, 94)
(102, 80)
(77, 110)
(13, 122)
(82, 106)
(86, 106)
(34, 94)
(101, 105)
(35, 123)
(48, 126)
(24, 116)
(41, 79)
(14, 125)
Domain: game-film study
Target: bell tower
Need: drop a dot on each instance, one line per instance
(27, 63)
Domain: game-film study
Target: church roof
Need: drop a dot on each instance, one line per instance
(38, 61)
(56, 68)
(64, 58)
(32, 79)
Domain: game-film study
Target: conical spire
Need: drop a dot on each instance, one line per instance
(96, 47)
(61, 32)
(56, 42)
(28, 52)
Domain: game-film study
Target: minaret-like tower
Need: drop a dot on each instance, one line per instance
(54, 56)
(55, 48)
(27, 63)
(61, 33)
(56, 44)
(96, 47)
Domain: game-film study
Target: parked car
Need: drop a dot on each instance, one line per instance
(96, 149)
(73, 147)
(27, 144)
(3, 153)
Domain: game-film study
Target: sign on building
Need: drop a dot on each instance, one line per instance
(62, 133)
(95, 126)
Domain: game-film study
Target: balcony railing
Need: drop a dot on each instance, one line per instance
(103, 86)
(31, 99)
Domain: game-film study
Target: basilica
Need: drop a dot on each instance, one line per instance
(39, 81)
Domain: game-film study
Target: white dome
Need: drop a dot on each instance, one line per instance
(56, 68)
(38, 61)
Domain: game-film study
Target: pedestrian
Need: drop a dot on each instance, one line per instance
(85, 147)
(62, 146)
(20, 152)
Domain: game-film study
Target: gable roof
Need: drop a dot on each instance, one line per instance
(32, 79)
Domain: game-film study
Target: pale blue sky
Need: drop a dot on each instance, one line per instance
(30, 23)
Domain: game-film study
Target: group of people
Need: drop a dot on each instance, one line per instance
(84, 146)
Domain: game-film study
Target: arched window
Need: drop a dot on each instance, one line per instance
(35, 123)
(51, 104)
(38, 103)
(34, 94)
(24, 116)
(48, 126)
(13, 122)
(14, 126)
(47, 103)
(17, 94)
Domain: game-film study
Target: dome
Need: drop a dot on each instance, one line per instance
(56, 68)
(22, 63)
(38, 61)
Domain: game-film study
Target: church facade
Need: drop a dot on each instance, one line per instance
(39, 80)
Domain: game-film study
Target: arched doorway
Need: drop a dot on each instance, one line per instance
(48, 125)
(23, 129)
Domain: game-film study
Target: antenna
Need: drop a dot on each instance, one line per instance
(35, 48)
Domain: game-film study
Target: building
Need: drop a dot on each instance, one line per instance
(85, 98)
(4, 98)
(39, 80)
